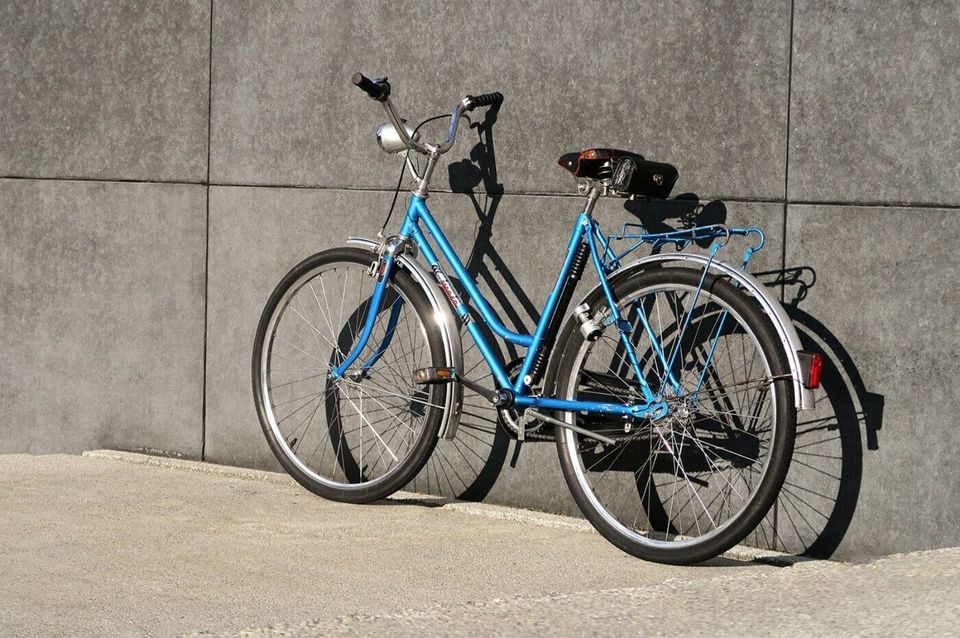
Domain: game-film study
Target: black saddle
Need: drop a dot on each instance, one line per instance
(630, 173)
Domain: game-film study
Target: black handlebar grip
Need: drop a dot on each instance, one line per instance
(487, 99)
(377, 89)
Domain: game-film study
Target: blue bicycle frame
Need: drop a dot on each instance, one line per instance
(604, 261)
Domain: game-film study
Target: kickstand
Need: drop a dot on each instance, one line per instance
(516, 455)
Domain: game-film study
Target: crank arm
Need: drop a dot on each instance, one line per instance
(429, 376)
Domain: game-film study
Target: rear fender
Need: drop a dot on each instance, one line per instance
(789, 339)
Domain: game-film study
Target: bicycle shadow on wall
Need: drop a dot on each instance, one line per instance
(468, 466)
(822, 488)
(817, 503)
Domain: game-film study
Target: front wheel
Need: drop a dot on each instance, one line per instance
(688, 486)
(362, 436)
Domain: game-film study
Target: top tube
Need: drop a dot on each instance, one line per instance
(416, 211)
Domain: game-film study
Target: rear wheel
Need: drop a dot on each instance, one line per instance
(363, 436)
(688, 486)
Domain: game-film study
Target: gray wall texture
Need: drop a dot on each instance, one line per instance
(163, 164)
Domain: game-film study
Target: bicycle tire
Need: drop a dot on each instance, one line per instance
(388, 388)
(707, 439)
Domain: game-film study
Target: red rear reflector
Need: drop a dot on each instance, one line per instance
(813, 362)
(589, 154)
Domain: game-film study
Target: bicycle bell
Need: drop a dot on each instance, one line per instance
(389, 140)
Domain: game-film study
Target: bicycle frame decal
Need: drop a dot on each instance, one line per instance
(451, 294)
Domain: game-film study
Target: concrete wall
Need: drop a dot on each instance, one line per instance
(163, 164)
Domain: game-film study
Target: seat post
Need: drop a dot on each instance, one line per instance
(592, 196)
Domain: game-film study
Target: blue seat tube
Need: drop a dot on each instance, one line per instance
(582, 223)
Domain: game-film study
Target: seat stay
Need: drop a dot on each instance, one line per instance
(658, 350)
(615, 317)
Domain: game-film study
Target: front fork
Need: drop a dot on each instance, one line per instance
(382, 269)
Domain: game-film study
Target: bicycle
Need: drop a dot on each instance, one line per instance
(672, 388)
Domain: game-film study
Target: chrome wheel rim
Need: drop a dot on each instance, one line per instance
(702, 501)
(345, 433)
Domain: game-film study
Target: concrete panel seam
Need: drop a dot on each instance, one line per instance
(206, 250)
(786, 151)
(439, 191)
(786, 159)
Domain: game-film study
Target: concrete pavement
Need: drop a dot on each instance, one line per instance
(906, 595)
(123, 544)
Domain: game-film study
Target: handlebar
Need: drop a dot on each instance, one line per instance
(487, 99)
(379, 90)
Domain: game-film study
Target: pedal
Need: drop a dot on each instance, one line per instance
(430, 376)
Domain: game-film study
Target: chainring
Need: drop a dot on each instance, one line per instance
(536, 430)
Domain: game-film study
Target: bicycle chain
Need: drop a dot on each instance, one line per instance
(535, 430)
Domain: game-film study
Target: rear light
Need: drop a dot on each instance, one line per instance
(811, 365)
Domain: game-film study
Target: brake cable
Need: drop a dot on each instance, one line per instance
(403, 168)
